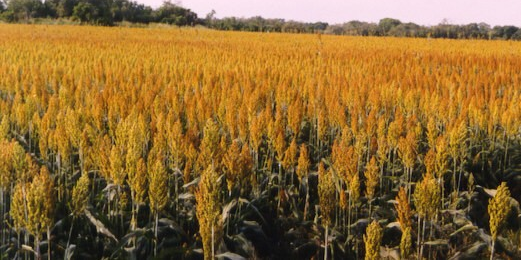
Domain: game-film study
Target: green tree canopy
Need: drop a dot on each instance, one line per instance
(24, 9)
(173, 14)
(85, 12)
(385, 25)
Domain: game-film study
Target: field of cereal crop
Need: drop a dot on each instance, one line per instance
(191, 143)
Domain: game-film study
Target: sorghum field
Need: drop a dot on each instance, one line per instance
(121, 143)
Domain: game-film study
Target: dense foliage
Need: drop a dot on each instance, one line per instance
(113, 12)
(185, 143)
(385, 27)
(100, 12)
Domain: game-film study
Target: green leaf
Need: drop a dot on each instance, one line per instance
(100, 227)
(69, 252)
(463, 228)
(192, 183)
(437, 242)
(229, 256)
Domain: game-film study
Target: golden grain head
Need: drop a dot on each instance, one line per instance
(326, 193)
(372, 177)
(498, 209)
(403, 209)
(372, 239)
(80, 195)
(208, 209)
(303, 162)
(157, 185)
(406, 243)
(427, 196)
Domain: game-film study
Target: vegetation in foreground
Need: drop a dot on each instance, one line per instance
(179, 143)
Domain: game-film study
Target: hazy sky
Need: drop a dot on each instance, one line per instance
(425, 12)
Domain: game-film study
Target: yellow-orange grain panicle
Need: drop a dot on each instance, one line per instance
(208, 211)
(373, 239)
(498, 209)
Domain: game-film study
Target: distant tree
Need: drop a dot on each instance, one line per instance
(497, 32)
(319, 26)
(144, 14)
(93, 12)
(24, 9)
(470, 31)
(274, 25)
(104, 11)
(120, 10)
(85, 12)
(385, 25)
(255, 24)
(517, 35)
(334, 29)
(407, 30)
(503, 32)
(173, 14)
(509, 31)
(65, 8)
(229, 23)
(7, 16)
(293, 27)
(359, 28)
(210, 17)
(50, 9)
(484, 29)
(131, 11)
(445, 30)
(353, 28)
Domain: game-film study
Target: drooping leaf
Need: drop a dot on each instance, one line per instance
(100, 227)
(69, 252)
(229, 256)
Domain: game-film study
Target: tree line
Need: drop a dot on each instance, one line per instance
(111, 12)
(99, 12)
(394, 27)
(385, 27)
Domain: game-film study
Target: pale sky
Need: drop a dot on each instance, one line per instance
(424, 12)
